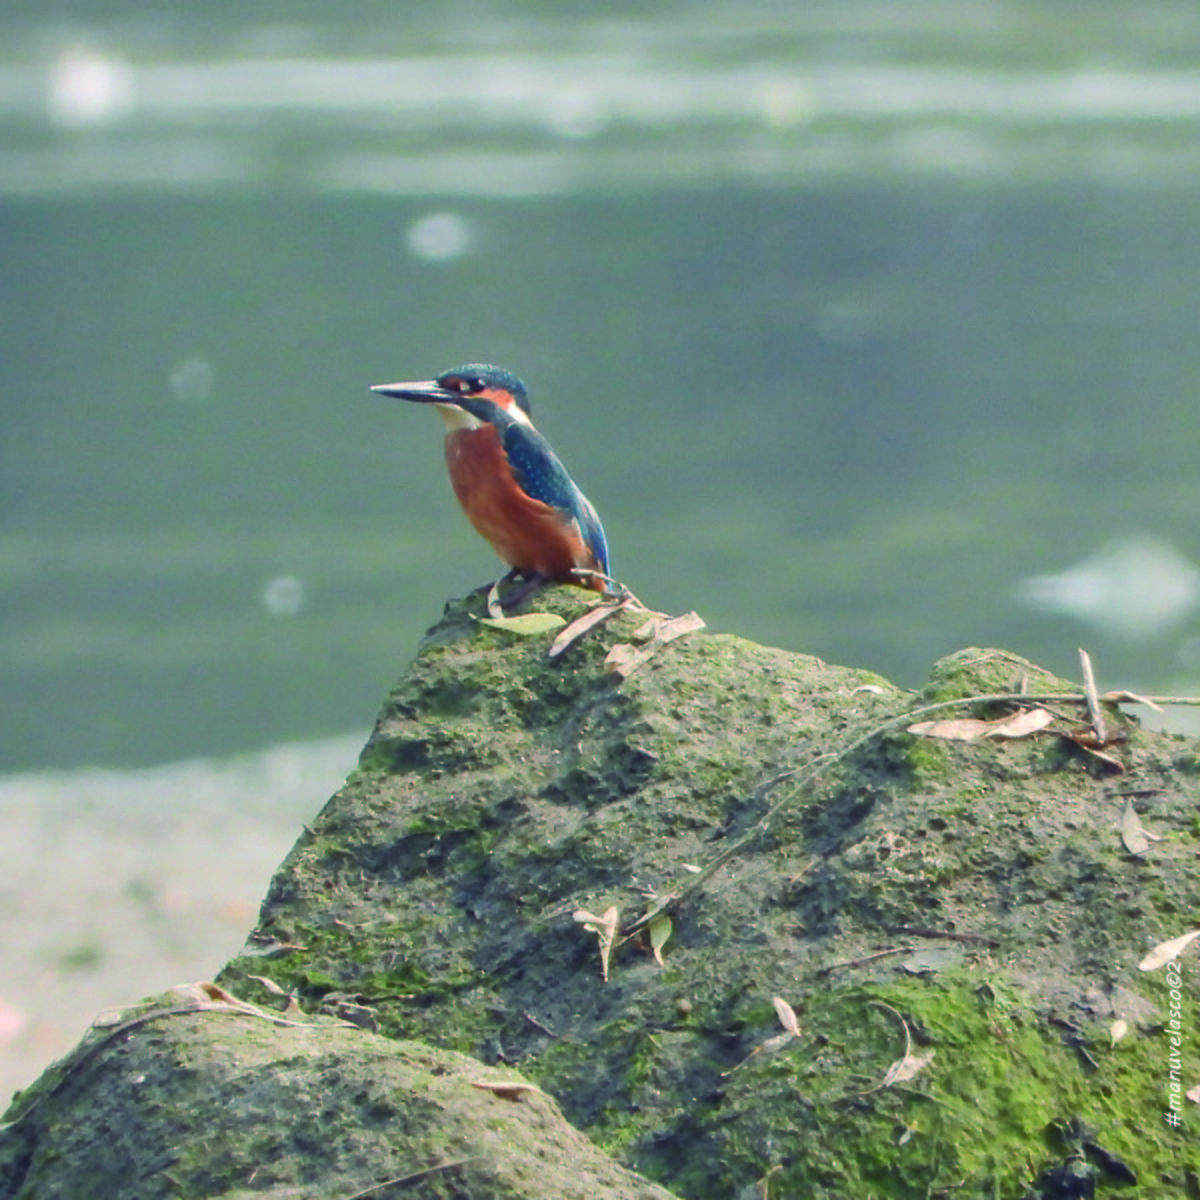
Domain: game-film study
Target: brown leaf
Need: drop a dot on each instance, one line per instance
(215, 992)
(270, 985)
(1124, 697)
(270, 949)
(624, 659)
(675, 627)
(511, 1090)
(770, 1046)
(1164, 952)
(605, 928)
(787, 1015)
(959, 729)
(1022, 723)
(1085, 742)
(580, 626)
(904, 1069)
(1134, 838)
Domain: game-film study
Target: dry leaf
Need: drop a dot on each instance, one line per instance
(902, 1070)
(961, 729)
(660, 930)
(108, 1016)
(1123, 697)
(791, 1031)
(494, 607)
(787, 1016)
(270, 985)
(1109, 760)
(215, 992)
(580, 626)
(676, 627)
(1134, 838)
(1164, 952)
(969, 729)
(271, 949)
(623, 659)
(768, 1047)
(774, 1043)
(1023, 723)
(1086, 742)
(505, 1089)
(605, 928)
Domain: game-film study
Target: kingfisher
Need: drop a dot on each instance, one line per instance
(510, 483)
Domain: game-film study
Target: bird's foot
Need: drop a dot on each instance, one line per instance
(614, 591)
(529, 584)
(610, 588)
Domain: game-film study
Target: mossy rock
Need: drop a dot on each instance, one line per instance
(956, 925)
(199, 1100)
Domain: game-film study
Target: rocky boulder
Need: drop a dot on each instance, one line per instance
(753, 936)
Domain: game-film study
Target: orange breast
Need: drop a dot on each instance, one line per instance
(526, 533)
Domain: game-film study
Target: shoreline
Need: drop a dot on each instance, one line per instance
(116, 884)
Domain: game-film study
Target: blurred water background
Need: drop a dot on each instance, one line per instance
(869, 329)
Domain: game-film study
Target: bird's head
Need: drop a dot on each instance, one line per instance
(467, 396)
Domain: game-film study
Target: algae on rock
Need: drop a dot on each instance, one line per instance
(971, 901)
(205, 1102)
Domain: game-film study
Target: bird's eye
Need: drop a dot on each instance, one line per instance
(465, 385)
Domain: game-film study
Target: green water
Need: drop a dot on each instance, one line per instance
(837, 379)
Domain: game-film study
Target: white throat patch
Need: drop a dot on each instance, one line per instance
(457, 418)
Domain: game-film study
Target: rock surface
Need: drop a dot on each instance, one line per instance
(194, 1098)
(956, 926)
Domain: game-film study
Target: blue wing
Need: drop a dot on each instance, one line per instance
(540, 474)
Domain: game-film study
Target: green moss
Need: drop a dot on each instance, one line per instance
(818, 1116)
(1189, 762)
(926, 759)
(507, 790)
(976, 672)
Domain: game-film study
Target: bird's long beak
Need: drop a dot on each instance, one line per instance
(423, 391)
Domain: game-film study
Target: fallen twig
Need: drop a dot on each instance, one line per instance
(1095, 715)
(861, 962)
(228, 1007)
(807, 775)
(948, 934)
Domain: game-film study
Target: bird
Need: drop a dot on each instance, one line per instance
(510, 483)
